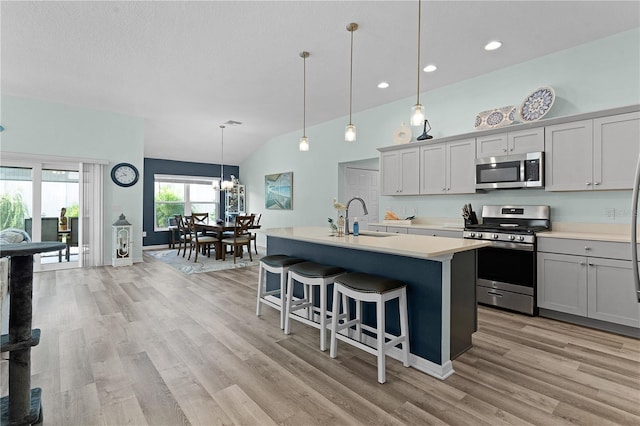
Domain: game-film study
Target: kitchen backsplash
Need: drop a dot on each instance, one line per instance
(606, 207)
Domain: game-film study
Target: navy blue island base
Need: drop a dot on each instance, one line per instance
(440, 291)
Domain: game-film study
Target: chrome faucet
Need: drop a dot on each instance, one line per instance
(346, 213)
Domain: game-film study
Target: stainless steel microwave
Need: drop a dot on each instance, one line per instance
(510, 171)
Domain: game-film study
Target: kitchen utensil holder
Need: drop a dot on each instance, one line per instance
(471, 220)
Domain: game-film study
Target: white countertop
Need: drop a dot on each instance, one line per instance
(593, 236)
(418, 246)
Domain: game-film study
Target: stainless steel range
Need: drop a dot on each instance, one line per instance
(507, 269)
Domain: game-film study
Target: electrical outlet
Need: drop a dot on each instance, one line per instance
(614, 213)
(144, 234)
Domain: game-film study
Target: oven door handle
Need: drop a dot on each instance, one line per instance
(512, 246)
(494, 293)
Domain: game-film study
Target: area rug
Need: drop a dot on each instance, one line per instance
(204, 263)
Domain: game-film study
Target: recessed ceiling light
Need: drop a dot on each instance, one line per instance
(430, 68)
(383, 85)
(493, 45)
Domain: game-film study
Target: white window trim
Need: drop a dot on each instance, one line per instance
(184, 179)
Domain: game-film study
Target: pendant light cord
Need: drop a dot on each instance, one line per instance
(351, 75)
(304, 94)
(221, 156)
(419, 25)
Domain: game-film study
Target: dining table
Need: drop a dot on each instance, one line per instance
(217, 230)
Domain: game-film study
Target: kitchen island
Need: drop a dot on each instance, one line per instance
(440, 274)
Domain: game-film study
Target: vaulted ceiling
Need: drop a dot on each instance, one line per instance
(186, 67)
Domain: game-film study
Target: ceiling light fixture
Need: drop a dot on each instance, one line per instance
(350, 131)
(430, 68)
(383, 85)
(304, 140)
(493, 45)
(417, 115)
(225, 185)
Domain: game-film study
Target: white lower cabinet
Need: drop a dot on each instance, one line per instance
(593, 287)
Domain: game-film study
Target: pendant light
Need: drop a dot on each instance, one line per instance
(304, 140)
(350, 130)
(225, 185)
(417, 115)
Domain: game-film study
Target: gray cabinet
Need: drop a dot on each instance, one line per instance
(580, 277)
(448, 168)
(562, 283)
(399, 172)
(519, 142)
(593, 154)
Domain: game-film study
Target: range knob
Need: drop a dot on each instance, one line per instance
(472, 235)
(521, 238)
(512, 237)
(495, 236)
(479, 234)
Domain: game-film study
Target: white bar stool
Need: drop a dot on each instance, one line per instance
(276, 264)
(370, 288)
(310, 274)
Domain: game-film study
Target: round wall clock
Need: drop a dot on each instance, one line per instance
(124, 174)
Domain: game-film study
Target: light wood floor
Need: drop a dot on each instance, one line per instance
(147, 345)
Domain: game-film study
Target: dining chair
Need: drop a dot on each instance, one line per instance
(241, 237)
(200, 218)
(184, 236)
(199, 240)
(253, 234)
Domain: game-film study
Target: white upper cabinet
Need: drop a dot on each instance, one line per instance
(519, 142)
(593, 154)
(448, 168)
(569, 156)
(400, 172)
(616, 145)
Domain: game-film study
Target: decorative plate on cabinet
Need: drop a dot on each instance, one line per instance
(402, 134)
(537, 104)
(497, 117)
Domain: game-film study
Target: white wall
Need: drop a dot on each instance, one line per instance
(44, 128)
(598, 75)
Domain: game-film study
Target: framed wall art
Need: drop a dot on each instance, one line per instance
(278, 191)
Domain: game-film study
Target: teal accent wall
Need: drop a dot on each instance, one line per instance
(594, 76)
(51, 129)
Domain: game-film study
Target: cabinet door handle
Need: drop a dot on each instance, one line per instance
(510, 149)
(504, 149)
(591, 264)
(597, 183)
(588, 183)
(444, 189)
(587, 248)
(582, 263)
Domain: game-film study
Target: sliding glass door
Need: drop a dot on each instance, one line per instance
(43, 201)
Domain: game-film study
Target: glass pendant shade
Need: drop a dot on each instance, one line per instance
(417, 115)
(304, 144)
(350, 133)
